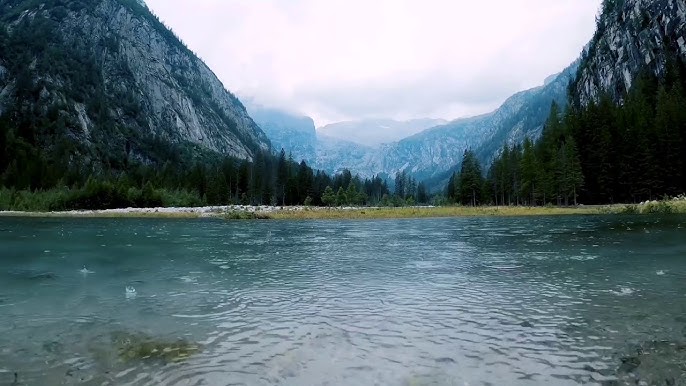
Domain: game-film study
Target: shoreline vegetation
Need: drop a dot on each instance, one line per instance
(242, 212)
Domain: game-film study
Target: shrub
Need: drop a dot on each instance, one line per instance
(661, 207)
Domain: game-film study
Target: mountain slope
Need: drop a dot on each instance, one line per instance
(295, 134)
(334, 155)
(432, 153)
(374, 132)
(623, 137)
(101, 83)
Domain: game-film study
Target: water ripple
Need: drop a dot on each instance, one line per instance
(461, 301)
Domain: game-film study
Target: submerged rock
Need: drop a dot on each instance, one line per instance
(30, 274)
(654, 363)
(44, 276)
(140, 347)
(629, 364)
(53, 347)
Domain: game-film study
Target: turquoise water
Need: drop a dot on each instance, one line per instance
(517, 301)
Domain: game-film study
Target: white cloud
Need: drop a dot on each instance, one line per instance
(346, 59)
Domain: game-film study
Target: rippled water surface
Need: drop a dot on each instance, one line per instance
(517, 301)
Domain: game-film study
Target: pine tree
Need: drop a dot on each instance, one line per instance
(574, 176)
(669, 157)
(282, 177)
(341, 199)
(530, 172)
(328, 198)
(451, 191)
(470, 181)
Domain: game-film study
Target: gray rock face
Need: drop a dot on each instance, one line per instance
(375, 132)
(139, 60)
(632, 35)
(334, 155)
(294, 134)
(431, 153)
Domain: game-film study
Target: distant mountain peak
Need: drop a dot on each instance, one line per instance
(377, 131)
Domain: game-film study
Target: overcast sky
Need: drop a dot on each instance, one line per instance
(348, 59)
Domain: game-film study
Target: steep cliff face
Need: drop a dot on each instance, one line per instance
(375, 132)
(334, 155)
(631, 36)
(432, 153)
(295, 134)
(114, 81)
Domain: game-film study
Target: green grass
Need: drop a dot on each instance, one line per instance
(104, 214)
(94, 195)
(676, 206)
(424, 212)
(243, 215)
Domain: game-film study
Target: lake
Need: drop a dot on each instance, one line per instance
(478, 301)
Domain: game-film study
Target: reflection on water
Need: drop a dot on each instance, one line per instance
(518, 301)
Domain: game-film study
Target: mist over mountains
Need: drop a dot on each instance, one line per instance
(431, 148)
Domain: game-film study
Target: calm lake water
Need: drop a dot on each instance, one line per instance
(516, 301)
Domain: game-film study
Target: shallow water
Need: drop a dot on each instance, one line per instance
(518, 301)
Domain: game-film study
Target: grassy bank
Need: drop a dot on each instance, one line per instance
(677, 206)
(93, 196)
(424, 212)
(662, 207)
(104, 214)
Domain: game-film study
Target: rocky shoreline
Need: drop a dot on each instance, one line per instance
(225, 211)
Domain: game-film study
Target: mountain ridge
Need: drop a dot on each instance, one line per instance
(433, 152)
(631, 36)
(139, 84)
(379, 131)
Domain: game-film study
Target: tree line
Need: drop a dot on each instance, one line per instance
(598, 153)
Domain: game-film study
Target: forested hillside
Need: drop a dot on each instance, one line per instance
(622, 139)
(101, 106)
(100, 92)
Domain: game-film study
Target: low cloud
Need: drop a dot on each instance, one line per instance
(349, 59)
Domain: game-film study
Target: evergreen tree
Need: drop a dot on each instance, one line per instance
(530, 173)
(470, 181)
(329, 198)
(422, 194)
(282, 177)
(341, 199)
(451, 191)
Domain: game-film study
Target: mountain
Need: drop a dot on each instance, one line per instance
(527, 120)
(374, 132)
(631, 36)
(334, 155)
(102, 84)
(623, 136)
(295, 134)
(433, 153)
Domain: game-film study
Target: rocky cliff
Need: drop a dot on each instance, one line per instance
(631, 36)
(295, 134)
(432, 153)
(375, 132)
(110, 79)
